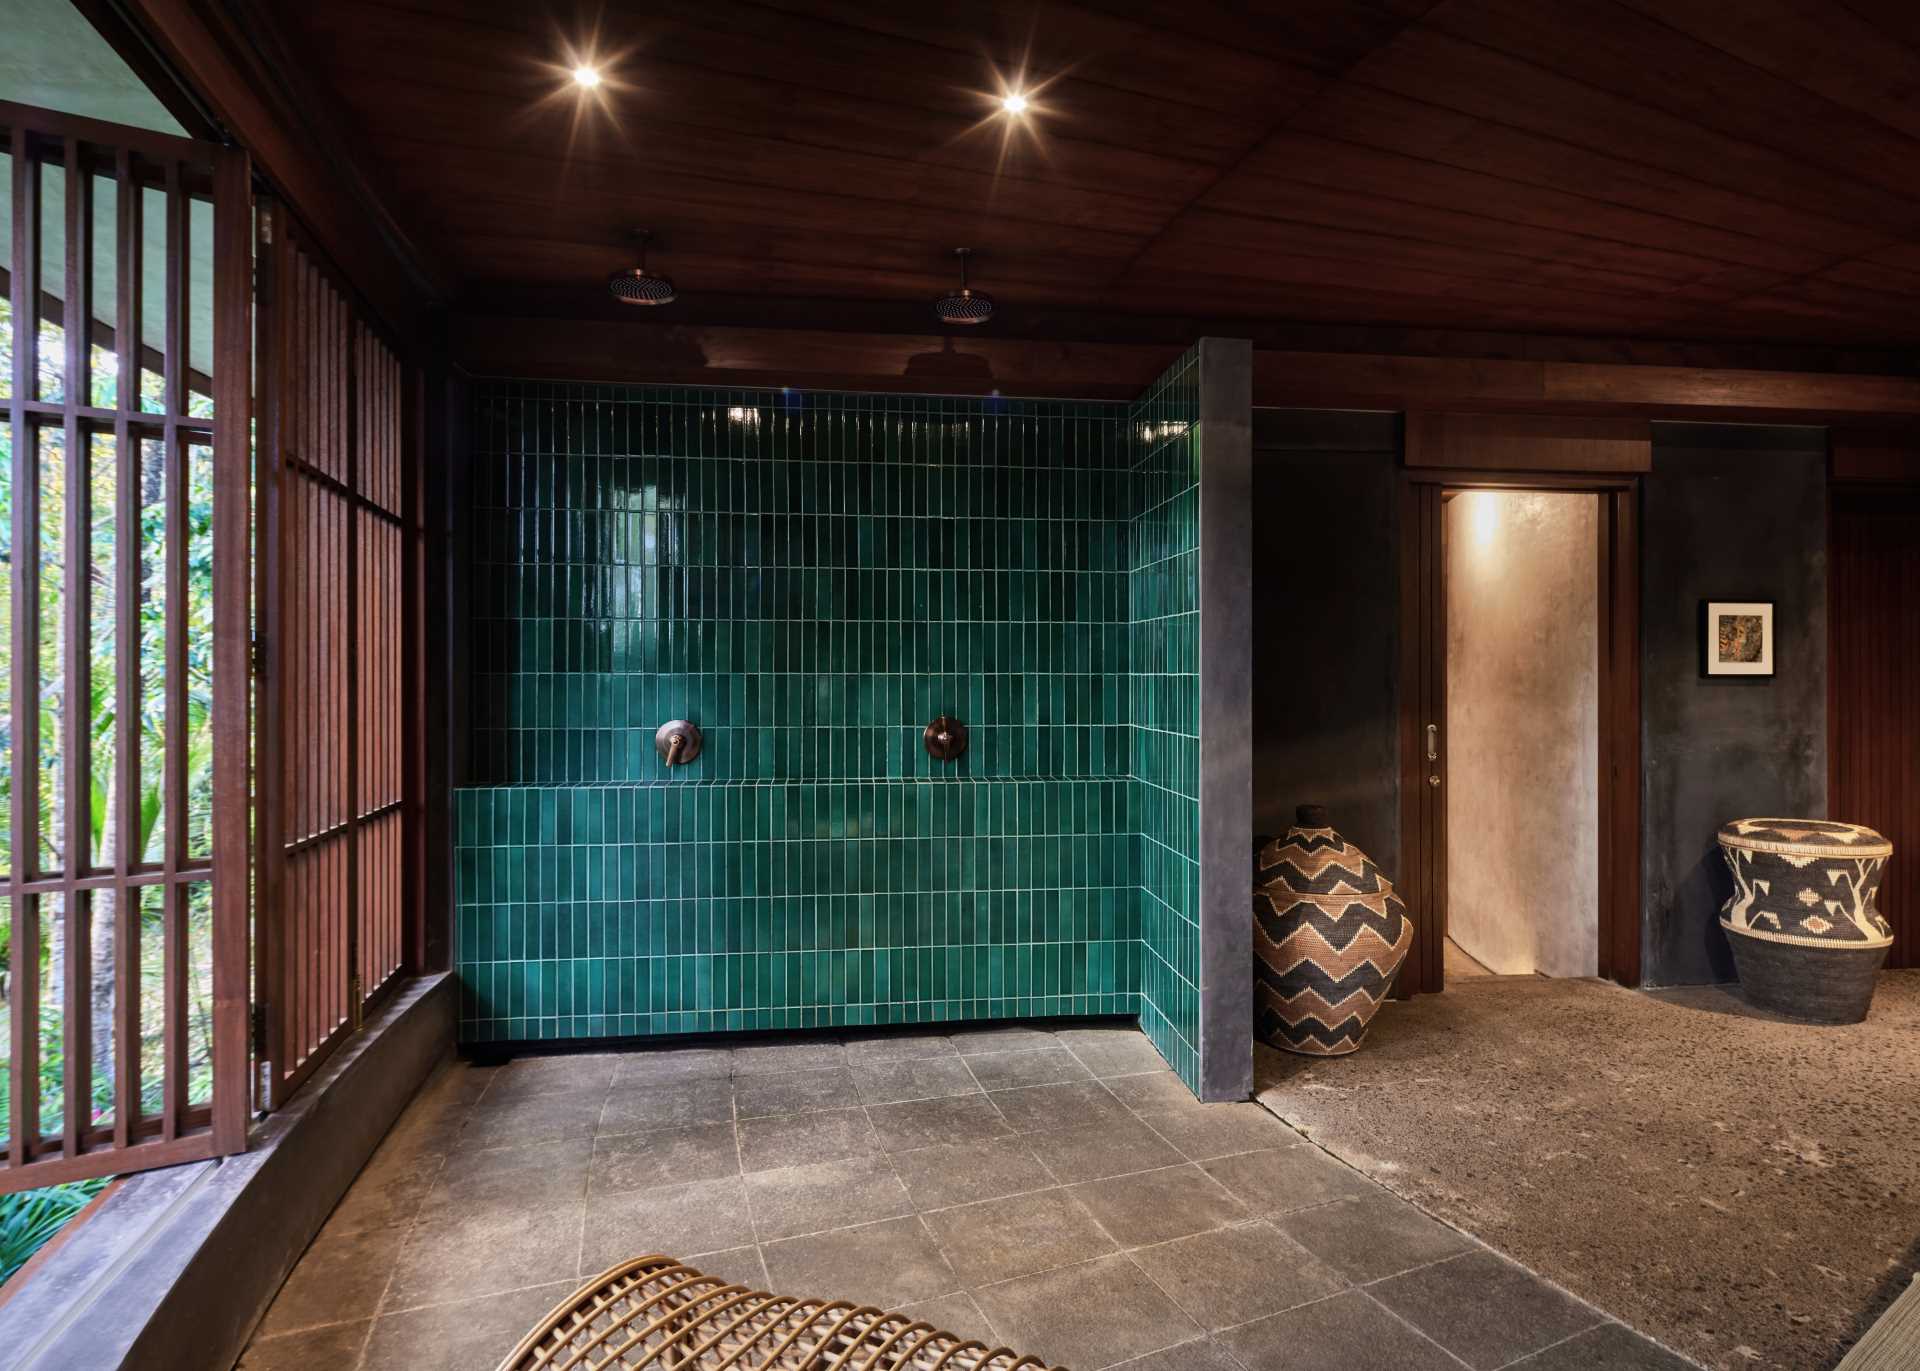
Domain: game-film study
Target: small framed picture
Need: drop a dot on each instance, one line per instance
(1739, 638)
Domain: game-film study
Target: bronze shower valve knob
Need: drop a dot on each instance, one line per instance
(946, 739)
(677, 742)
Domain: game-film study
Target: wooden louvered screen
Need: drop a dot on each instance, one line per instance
(124, 376)
(1873, 628)
(336, 506)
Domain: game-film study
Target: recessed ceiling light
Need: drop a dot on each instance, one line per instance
(1014, 103)
(586, 77)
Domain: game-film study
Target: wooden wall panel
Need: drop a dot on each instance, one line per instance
(1874, 708)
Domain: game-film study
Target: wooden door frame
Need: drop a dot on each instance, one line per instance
(1423, 700)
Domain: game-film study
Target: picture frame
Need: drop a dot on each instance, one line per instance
(1737, 638)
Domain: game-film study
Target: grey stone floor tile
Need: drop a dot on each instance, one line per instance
(529, 1162)
(739, 1265)
(1158, 1206)
(1101, 1149)
(914, 1078)
(800, 1055)
(1086, 1317)
(928, 1123)
(1276, 1180)
(514, 1191)
(1034, 1108)
(808, 1199)
(888, 1264)
(1204, 1354)
(972, 1041)
(337, 1345)
(1346, 1332)
(1484, 1309)
(468, 1335)
(666, 1104)
(1610, 1347)
(1370, 1239)
(533, 1119)
(341, 1277)
(794, 1092)
(418, 1137)
(961, 1173)
(1004, 1070)
(1218, 1130)
(665, 1156)
(698, 1216)
(893, 1047)
(1235, 1275)
(995, 1239)
(956, 1314)
(802, 1139)
(1151, 1090)
(651, 1066)
(386, 1194)
(561, 1074)
(466, 1257)
(1112, 1051)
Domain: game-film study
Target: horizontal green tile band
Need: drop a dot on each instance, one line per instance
(811, 578)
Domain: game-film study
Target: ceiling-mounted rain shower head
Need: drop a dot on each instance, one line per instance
(965, 305)
(637, 285)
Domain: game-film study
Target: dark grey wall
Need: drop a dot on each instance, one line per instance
(1226, 724)
(1728, 513)
(1326, 596)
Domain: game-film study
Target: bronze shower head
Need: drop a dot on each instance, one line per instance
(964, 305)
(637, 285)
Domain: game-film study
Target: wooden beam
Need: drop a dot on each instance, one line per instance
(611, 351)
(225, 66)
(1528, 442)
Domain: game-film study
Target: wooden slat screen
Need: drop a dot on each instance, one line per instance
(332, 808)
(1873, 627)
(125, 377)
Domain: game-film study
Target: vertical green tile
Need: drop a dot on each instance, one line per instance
(811, 578)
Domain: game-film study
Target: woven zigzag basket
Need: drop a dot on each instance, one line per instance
(661, 1315)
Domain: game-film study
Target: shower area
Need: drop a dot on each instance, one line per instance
(812, 580)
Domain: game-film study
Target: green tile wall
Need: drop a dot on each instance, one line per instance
(1163, 582)
(811, 578)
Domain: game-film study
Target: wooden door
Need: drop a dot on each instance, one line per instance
(339, 512)
(124, 624)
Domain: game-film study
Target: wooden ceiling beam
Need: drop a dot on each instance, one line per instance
(615, 352)
(252, 101)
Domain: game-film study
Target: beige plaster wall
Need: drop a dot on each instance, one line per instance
(1522, 729)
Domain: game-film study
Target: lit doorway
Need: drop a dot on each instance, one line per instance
(1520, 594)
(1522, 727)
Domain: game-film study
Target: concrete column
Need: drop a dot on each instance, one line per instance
(1226, 718)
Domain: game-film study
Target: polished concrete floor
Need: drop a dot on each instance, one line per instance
(1744, 1188)
(1059, 1192)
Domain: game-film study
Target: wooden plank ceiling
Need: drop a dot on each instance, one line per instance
(1655, 168)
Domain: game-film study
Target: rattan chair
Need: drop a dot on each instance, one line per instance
(662, 1315)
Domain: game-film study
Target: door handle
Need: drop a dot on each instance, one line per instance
(1433, 742)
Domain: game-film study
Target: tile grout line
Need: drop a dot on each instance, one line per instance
(1420, 1333)
(1528, 1356)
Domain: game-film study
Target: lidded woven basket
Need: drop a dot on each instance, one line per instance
(1807, 937)
(1329, 937)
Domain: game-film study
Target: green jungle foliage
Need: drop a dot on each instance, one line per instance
(29, 1219)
